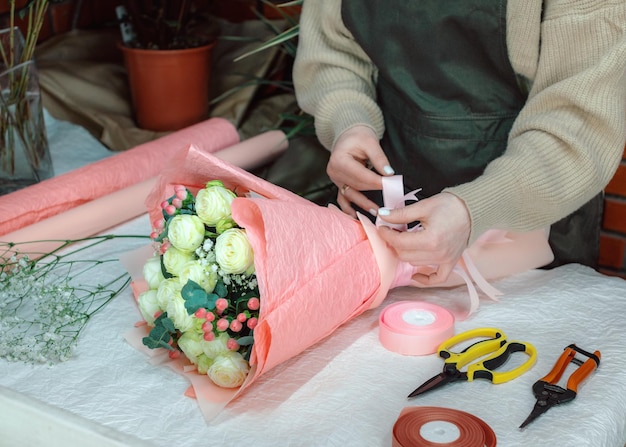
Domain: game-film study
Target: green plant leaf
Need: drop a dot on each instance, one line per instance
(160, 333)
(282, 38)
(168, 324)
(150, 342)
(248, 340)
(195, 297)
(220, 289)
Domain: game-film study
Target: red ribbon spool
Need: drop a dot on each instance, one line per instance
(472, 431)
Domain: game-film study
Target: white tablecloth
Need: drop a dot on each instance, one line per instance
(348, 390)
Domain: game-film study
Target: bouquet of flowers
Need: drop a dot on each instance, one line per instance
(203, 296)
(312, 269)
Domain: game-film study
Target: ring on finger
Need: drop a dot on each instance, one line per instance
(344, 188)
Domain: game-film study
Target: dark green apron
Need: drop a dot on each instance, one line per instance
(449, 95)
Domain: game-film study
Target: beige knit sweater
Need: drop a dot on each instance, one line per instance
(568, 139)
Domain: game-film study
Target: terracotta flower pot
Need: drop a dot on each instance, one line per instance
(169, 88)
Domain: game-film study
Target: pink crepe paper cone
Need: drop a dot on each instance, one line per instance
(316, 270)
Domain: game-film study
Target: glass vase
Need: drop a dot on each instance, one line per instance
(24, 151)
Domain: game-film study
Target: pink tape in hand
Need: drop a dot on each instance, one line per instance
(414, 328)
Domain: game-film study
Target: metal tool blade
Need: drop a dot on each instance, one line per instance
(540, 407)
(431, 384)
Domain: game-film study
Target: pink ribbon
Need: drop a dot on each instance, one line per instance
(394, 197)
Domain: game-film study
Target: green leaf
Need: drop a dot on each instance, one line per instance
(220, 289)
(282, 38)
(159, 333)
(195, 297)
(246, 341)
(167, 346)
(150, 342)
(168, 325)
(211, 299)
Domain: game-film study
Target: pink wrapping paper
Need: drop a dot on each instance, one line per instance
(316, 266)
(123, 204)
(53, 196)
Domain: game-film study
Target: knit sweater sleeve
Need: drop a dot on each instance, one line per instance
(569, 137)
(333, 78)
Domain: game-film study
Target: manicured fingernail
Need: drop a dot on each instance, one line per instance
(388, 170)
(373, 212)
(384, 211)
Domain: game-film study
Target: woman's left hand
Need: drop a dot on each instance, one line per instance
(446, 228)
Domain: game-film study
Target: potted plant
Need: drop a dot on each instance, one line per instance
(24, 151)
(167, 47)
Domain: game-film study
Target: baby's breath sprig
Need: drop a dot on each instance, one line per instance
(47, 299)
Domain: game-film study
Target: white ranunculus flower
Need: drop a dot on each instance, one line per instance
(233, 252)
(152, 272)
(191, 344)
(174, 260)
(177, 312)
(185, 232)
(216, 347)
(167, 291)
(195, 271)
(213, 203)
(149, 305)
(229, 370)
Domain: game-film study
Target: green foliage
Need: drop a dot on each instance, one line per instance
(246, 341)
(162, 334)
(196, 297)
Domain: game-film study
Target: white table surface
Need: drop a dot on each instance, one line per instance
(347, 390)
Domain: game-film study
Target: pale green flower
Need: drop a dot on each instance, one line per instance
(185, 232)
(229, 370)
(213, 204)
(152, 272)
(191, 345)
(225, 224)
(168, 290)
(175, 259)
(214, 348)
(204, 363)
(149, 305)
(233, 252)
(205, 277)
(177, 312)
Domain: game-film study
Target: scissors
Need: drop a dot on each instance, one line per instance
(487, 356)
(549, 393)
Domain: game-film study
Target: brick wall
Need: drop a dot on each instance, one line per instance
(613, 238)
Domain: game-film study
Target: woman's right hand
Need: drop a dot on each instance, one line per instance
(354, 154)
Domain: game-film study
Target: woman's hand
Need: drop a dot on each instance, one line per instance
(355, 152)
(446, 228)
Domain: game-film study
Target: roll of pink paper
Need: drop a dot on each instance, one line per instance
(414, 328)
(124, 204)
(53, 196)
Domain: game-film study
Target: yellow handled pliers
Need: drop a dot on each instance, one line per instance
(481, 358)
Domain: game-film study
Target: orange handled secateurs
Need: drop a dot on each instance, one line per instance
(546, 390)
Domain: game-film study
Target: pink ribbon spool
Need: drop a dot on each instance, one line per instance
(414, 328)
